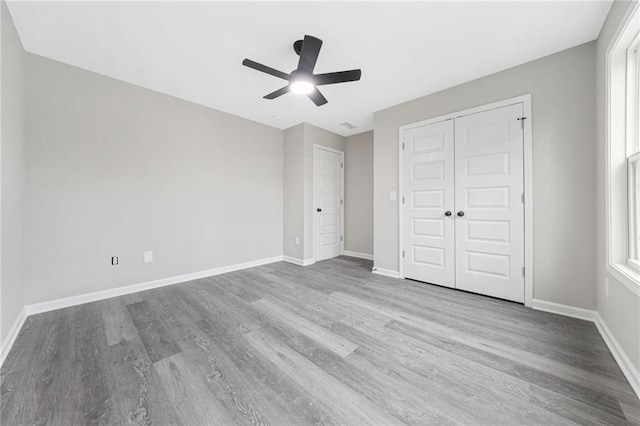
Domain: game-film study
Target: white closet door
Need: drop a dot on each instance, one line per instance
(489, 206)
(428, 190)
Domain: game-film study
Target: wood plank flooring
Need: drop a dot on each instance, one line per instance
(326, 344)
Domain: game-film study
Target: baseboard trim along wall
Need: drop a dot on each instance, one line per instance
(13, 334)
(567, 311)
(52, 305)
(298, 262)
(629, 370)
(358, 255)
(385, 272)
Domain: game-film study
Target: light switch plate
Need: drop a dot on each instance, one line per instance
(392, 195)
(148, 256)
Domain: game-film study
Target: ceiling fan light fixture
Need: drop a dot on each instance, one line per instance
(302, 80)
(301, 86)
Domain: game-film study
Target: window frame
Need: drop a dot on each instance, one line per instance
(632, 145)
(616, 187)
(633, 258)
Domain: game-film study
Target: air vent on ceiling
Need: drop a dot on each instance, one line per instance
(348, 125)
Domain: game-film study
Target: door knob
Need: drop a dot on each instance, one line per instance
(460, 213)
(447, 213)
(318, 209)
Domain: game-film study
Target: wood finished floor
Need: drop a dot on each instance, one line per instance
(326, 344)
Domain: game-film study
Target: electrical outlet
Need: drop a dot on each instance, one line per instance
(606, 287)
(114, 260)
(297, 241)
(148, 256)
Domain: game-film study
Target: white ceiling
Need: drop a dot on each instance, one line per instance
(194, 50)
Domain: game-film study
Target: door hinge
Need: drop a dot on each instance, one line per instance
(403, 254)
(523, 198)
(523, 271)
(403, 146)
(521, 119)
(341, 202)
(341, 238)
(341, 165)
(403, 199)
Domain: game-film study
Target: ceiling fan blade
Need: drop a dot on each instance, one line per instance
(277, 93)
(317, 97)
(337, 77)
(271, 71)
(309, 54)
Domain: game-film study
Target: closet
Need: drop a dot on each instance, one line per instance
(462, 212)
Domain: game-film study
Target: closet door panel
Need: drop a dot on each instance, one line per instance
(428, 185)
(488, 200)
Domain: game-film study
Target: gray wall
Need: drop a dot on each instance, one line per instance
(358, 188)
(293, 186)
(621, 309)
(114, 170)
(12, 110)
(563, 101)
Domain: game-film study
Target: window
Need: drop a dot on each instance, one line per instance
(621, 121)
(632, 94)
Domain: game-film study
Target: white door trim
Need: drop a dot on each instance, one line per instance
(528, 182)
(313, 195)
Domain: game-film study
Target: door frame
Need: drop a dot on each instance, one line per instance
(317, 147)
(525, 100)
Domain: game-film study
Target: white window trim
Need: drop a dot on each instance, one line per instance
(633, 149)
(632, 248)
(616, 209)
(634, 265)
(633, 81)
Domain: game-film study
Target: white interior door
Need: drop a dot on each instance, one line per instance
(327, 177)
(428, 180)
(489, 188)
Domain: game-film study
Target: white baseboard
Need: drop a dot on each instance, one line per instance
(358, 255)
(298, 262)
(52, 305)
(567, 311)
(7, 343)
(385, 272)
(293, 260)
(628, 369)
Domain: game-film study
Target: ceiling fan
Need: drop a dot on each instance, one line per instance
(302, 80)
